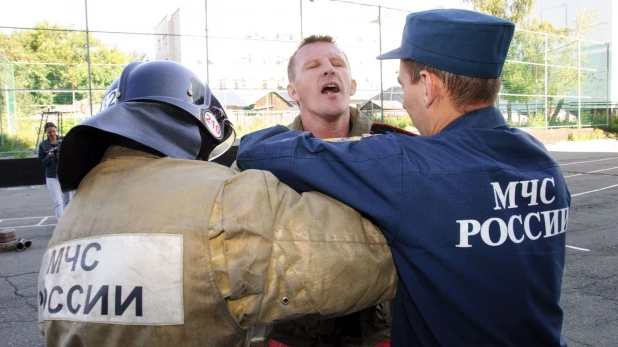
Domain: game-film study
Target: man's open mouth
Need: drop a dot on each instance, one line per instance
(330, 89)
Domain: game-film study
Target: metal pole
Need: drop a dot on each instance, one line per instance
(88, 56)
(546, 77)
(6, 86)
(579, 83)
(301, 19)
(8, 103)
(72, 67)
(607, 86)
(381, 76)
(206, 24)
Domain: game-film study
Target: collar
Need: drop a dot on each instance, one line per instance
(486, 118)
(359, 124)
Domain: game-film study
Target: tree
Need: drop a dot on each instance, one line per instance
(513, 10)
(53, 57)
(521, 79)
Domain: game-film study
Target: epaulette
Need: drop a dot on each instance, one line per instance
(346, 139)
(383, 128)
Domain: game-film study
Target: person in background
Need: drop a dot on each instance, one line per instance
(48, 155)
(475, 212)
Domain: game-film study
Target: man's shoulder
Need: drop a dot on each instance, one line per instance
(360, 123)
(297, 123)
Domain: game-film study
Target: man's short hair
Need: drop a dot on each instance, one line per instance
(306, 41)
(462, 90)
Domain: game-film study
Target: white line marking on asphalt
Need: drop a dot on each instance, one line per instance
(588, 161)
(611, 168)
(42, 220)
(24, 187)
(579, 249)
(596, 190)
(28, 218)
(32, 226)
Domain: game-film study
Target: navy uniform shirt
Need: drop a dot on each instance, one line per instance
(475, 215)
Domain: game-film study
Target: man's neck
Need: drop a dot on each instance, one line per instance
(325, 128)
(446, 114)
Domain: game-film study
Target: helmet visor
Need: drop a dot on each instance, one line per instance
(226, 144)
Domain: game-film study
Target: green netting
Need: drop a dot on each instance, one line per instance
(8, 104)
(555, 81)
(548, 80)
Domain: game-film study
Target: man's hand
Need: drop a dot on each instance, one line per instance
(51, 154)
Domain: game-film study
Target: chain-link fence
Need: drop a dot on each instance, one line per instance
(8, 124)
(58, 67)
(555, 81)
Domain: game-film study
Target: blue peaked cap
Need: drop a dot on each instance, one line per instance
(459, 41)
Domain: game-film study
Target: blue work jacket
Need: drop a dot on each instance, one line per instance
(475, 216)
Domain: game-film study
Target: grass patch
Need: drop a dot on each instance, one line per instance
(398, 121)
(18, 147)
(609, 132)
(24, 142)
(596, 134)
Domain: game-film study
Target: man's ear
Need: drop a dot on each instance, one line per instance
(430, 91)
(292, 92)
(353, 89)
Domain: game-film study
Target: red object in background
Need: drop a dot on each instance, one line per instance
(273, 343)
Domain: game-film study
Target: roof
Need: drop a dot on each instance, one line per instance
(246, 97)
(388, 105)
(285, 97)
(363, 95)
(392, 93)
(393, 99)
(238, 97)
(284, 94)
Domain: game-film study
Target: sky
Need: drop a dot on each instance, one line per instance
(141, 16)
(110, 20)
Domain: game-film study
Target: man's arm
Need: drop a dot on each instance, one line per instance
(365, 174)
(279, 255)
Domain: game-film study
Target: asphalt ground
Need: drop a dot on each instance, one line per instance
(589, 290)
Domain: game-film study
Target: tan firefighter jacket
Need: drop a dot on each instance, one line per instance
(167, 252)
(365, 328)
(359, 124)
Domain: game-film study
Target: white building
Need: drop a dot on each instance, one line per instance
(180, 37)
(249, 46)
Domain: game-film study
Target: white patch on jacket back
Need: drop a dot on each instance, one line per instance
(117, 279)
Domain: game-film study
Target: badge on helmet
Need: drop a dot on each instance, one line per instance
(109, 100)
